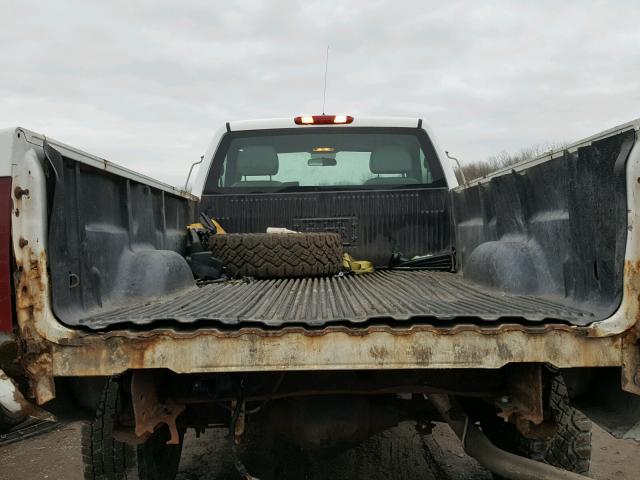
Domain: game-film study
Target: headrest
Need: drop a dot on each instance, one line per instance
(256, 160)
(390, 159)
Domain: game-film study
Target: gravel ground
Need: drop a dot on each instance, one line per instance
(56, 455)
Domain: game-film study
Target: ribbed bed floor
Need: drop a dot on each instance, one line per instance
(395, 295)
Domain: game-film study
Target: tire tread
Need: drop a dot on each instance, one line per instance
(104, 458)
(265, 255)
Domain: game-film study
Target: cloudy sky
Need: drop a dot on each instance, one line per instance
(145, 84)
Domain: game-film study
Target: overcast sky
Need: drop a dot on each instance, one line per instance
(145, 84)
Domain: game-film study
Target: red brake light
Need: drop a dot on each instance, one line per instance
(323, 120)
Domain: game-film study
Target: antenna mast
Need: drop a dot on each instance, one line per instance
(326, 67)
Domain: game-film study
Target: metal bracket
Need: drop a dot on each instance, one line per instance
(148, 411)
(524, 383)
(524, 407)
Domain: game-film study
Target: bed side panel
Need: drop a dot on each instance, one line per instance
(556, 229)
(112, 241)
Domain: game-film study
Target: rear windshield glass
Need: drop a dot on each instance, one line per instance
(324, 159)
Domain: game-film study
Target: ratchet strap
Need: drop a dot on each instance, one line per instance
(356, 266)
(214, 227)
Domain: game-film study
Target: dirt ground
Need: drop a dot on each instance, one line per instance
(56, 455)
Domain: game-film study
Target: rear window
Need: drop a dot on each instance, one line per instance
(324, 159)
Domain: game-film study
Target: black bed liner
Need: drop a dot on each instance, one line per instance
(545, 243)
(395, 295)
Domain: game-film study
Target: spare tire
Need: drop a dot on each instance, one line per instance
(275, 255)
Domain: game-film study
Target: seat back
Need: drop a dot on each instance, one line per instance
(391, 159)
(254, 161)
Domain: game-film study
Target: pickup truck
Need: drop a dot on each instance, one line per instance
(508, 307)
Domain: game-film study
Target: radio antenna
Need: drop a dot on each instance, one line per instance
(326, 67)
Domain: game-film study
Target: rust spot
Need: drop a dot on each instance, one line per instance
(504, 350)
(149, 412)
(35, 352)
(23, 243)
(379, 352)
(422, 353)
(20, 192)
(632, 285)
(524, 382)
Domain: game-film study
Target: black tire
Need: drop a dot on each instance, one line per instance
(569, 448)
(105, 458)
(8, 419)
(396, 454)
(268, 255)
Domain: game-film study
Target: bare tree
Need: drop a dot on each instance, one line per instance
(503, 159)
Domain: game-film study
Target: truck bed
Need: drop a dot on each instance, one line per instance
(384, 295)
(544, 242)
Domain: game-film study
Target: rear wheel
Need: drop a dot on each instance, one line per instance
(105, 458)
(569, 448)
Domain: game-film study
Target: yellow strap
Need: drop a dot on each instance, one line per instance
(198, 226)
(219, 229)
(195, 226)
(356, 266)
